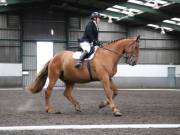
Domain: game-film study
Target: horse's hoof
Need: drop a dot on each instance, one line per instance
(57, 112)
(102, 105)
(78, 109)
(117, 114)
(52, 111)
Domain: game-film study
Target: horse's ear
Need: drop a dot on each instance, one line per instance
(138, 38)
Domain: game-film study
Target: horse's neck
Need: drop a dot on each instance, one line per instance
(117, 51)
(112, 55)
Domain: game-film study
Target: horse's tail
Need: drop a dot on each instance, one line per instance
(37, 85)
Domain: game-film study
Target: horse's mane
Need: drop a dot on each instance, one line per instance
(113, 41)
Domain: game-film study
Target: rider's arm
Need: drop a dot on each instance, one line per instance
(91, 29)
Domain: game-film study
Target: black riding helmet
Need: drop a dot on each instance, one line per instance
(95, 15)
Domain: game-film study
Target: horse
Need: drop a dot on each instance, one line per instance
(102, 68)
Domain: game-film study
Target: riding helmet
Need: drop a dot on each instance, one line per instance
(95, 15)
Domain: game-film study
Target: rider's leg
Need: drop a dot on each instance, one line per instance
(83, 55)
(86, 49)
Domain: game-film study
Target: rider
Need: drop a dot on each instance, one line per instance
(90, 37)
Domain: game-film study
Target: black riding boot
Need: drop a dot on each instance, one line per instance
(82, 57)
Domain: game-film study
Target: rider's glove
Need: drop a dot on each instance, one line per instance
(97, 43)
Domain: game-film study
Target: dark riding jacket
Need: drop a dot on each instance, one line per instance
(91, 33)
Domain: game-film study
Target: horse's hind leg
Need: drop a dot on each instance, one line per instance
(52, 80)
(68, 95)
(115, 92)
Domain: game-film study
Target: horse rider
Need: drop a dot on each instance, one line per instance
(90, 38)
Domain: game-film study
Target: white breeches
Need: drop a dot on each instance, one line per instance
(86, 46)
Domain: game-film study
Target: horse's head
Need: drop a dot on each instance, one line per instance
(132, 51)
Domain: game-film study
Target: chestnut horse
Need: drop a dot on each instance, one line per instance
(103, 67)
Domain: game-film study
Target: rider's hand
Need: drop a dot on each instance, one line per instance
(97, 43)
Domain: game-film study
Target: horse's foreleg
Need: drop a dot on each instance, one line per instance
(109, 95)
(114, 89)
(115, 92)
(68, 95)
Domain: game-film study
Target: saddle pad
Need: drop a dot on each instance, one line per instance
(77, 54)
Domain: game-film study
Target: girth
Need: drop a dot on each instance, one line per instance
(89, 69)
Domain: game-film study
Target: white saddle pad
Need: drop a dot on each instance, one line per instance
(77, 54)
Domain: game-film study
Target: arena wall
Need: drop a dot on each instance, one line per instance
(159, 54)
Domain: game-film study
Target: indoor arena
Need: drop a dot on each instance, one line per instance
(96, 67)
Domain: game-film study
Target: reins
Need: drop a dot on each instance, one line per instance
(111, 50)
(117, 53)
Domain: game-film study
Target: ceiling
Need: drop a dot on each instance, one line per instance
(77, 6)
(157, 14)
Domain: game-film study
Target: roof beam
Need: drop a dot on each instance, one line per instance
(175, 27)
(144, 22)
(149, 10)
(175, 1)
(111, 13)
(140, 20)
